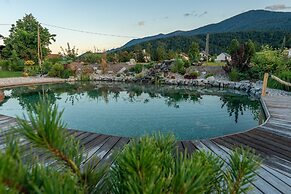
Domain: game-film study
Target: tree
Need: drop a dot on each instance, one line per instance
(161, 52)
(194, 52)
(124, 56)
(240, 56)
(23, 39)
(234, 46)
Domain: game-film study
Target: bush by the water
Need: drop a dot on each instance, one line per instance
(178, 66)
(58, 70)
(91, 58)
(136, 69)
(269, 61)
(85, 77)
(209, 75)
(192, 75)
(234, 75)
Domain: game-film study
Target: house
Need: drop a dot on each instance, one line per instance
(223, 57)
(203, 56)
(184, 56)
(1, 42)
(146, 56)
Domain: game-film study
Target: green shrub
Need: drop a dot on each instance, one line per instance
(136, 69)
(178, 67)
(43, 123)
(139, 75)
(12, 65)
(17, 65)
(32, 70)
(66, 74)
(187, 63)
(47, 66)
(149, 65)
(149, 165)
(269, 61)
(91, 58)
(209, 75)
(55, 60)
(56, 70)
(5, 65)
(286, 76)
(192, 75)
(234, 75)
(85, 77)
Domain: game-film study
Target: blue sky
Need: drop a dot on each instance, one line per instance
(133, 18)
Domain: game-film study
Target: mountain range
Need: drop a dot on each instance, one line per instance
(250, 21)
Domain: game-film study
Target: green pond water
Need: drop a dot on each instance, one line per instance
(132, 110)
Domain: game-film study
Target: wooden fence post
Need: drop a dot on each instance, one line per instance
(265, 83)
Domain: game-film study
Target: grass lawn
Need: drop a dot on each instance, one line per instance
(6, 74)
(213, 64)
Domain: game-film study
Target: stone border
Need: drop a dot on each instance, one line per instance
(24, 81)
(247, 86)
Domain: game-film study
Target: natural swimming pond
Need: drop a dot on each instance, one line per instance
(133, 110)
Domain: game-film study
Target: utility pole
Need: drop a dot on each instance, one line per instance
(39, 51)
(284, 43)
(207, 47)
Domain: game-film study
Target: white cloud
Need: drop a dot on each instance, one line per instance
(277, 7)
(141, 23)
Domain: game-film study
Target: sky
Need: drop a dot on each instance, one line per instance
(125, 19)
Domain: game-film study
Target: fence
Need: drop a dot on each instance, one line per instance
(265, 82)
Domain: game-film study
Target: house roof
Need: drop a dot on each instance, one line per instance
(52, 56)
(226, 54)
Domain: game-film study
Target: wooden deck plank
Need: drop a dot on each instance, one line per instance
(270, 160)
(273, 177)
(189, 147)
(258, 185)
(272, 138)
(95, 146)
(109, 157)
(262, 173)
(103, 150)
(271, 145)
(268, 150)
(180, 147)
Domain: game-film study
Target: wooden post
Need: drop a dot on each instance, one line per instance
(265, 83)
(2, 96)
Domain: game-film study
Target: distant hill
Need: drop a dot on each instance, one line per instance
(250, 21)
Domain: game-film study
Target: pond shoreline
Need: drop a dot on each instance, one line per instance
(22, 81)
(253, 89)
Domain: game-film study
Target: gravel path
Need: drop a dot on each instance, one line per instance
(4, 82)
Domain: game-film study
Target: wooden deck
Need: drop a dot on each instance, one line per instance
(272, 141)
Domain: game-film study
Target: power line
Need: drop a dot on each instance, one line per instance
(88, 32)
(81, 31)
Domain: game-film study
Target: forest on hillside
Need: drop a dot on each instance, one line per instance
(219, 42)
